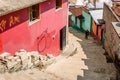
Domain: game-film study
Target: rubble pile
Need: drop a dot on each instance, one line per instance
(23, 60)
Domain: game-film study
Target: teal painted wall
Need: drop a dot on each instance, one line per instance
(86, 22)
(73, 18)
(78, 23)
(74, 25)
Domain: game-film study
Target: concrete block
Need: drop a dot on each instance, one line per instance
(49, 56)
(20, 52)
(37, 63)
(30, 64)
(18, 65)
(40, 66)
(24, 58)
(32, 56)
(4, 55)
(14, 64)
(41, 57)
(3, 68)
(45, 63)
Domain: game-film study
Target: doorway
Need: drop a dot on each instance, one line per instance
(62, 38)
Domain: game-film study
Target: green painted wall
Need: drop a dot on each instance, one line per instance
(73, 18)
(74, 25)
(78, 23)
(86, 22)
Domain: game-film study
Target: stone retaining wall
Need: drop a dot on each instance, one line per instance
(23, 60)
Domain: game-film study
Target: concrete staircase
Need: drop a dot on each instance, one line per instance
(68, 51)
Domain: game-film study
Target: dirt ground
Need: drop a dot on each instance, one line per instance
(88, 63)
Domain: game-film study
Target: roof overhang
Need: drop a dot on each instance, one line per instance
(8, 6)
(96, 15)
(77, 10)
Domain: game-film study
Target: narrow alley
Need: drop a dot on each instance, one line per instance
(88, 63)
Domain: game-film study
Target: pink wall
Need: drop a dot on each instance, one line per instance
(99, 34)
(16, 33)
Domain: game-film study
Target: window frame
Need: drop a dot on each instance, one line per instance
(34, 13)
(58, 4)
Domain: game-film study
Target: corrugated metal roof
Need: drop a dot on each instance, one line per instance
(7, 6)
(96, 14)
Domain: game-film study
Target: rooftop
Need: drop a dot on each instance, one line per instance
(116, 26)
(114, 8)
(7, 6)
(77, 10)
(97, 15)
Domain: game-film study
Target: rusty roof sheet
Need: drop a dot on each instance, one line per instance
(77, 11)
(7, 6)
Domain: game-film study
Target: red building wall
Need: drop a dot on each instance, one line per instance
(16, 33)
(96, 31)
(99, 34)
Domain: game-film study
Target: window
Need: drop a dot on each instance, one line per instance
(34, 12)
(58, 4)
